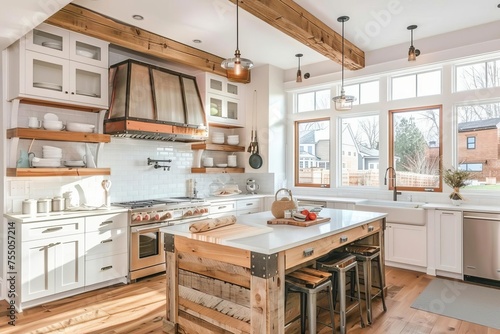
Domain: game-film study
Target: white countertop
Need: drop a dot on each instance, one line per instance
(40, 217)
(215, 199)
(282, 237)
(462, 207)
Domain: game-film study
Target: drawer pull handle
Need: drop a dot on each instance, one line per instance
(106, 268)
(106, 241)
(222, 207)
(343, 238)
(248, 204)
(370, 228)
(52, 229)
(107, 222)
(52, 244)
(308, 252)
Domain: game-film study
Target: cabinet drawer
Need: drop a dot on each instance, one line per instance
(106, 222)
(106, 268)
(57, 228)
(249, 204)
(105, 243)
(223, 207)
(318, 248)
(247, 211)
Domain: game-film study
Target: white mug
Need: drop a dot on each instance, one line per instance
(34, 123)
(208, 162)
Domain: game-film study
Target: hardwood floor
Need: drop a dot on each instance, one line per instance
(140, 308)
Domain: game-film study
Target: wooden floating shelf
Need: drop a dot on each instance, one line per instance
(225, 126)
(27, 133)
(208, 170)
(217, 147)
(62, 171)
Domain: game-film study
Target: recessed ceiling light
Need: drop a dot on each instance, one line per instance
(138, 17)
(197, 41)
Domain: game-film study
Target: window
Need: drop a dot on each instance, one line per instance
(471, 143)
(312, 169)
(477, 75)
(310, 101)
(416, 85)
(360, 135)
(367, 92)
(478, 138)
(415, 148)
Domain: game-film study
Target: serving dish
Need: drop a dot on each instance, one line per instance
(80, 127)
(221, 165)
(52, 45)
(74, 163)
(47, 85)
(85, 53)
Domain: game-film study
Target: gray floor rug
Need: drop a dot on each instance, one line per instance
(463, 301)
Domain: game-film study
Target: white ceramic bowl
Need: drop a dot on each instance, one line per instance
(221, 165)
(53, 125)
(50, 117)
(80, 127)
(52, 155)
(233, 142)
(51, 148)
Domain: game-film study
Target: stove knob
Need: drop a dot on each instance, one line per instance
(197, 211)
(167, 215)
(205, 210)
(146, 216)
(137, 217)
(156, 216)
(188, 213)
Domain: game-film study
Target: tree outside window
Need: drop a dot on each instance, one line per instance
(415, 147)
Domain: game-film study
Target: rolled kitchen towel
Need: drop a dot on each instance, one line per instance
(212, 223)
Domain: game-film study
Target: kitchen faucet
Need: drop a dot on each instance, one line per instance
(395, 192)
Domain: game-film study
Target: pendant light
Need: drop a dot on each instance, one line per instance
(299, 72)
(237, 68)
(412, 52)
(343, 102)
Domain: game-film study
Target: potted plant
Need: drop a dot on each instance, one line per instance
(456, 179)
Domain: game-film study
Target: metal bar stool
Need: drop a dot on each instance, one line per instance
(309, 282)
(339, 264)
(366, 254)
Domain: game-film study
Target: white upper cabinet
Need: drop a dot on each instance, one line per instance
(55, 65)
(223, 100)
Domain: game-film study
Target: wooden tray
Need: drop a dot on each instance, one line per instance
(290, 221)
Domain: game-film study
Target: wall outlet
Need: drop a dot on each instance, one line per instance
(18, 188)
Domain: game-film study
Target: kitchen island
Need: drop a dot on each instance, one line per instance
(234, 282)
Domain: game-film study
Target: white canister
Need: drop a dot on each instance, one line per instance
(231, 160)
(58, 204)
(208, 162)
(29, 207)
(43, 205)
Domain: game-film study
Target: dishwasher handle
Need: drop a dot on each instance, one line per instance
(496, 218)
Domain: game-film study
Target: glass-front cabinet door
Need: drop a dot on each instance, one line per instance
(49, 40)
(46, 76)
(88, 84)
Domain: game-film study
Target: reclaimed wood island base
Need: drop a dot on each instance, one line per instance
(235, 283)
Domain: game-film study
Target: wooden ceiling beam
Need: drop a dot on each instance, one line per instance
(79, 19)
(293, 20)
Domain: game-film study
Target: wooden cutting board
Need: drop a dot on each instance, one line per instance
(290, 221)
(229, 232)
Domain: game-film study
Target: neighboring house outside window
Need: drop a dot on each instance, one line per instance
(471, 143)
(483, 158)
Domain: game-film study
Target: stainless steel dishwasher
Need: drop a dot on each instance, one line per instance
(481, 247)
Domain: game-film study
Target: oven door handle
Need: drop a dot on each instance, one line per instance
(144, 228)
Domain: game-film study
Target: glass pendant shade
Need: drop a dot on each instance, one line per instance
(299, 72)
(343, 102)
(412, 52)
(237, 68)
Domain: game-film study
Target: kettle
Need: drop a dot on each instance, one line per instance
(252, 186)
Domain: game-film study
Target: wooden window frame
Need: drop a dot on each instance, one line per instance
(296, 153)
(391, 148)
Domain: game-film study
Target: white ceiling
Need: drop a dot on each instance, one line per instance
(373, 24)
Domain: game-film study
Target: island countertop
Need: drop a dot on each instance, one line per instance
(277, 238)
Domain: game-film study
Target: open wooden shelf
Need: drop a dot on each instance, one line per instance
(207, 170)
(28, 133)
(217, 147)
(62, 171)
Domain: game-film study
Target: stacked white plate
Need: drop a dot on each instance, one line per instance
(233, 139)
(51, 156)
(218, 137)
(52, 122)
(45, 162)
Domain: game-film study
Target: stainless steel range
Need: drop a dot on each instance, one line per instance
(146, 217)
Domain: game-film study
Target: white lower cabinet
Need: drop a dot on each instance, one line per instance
(64, 257)
(236, 207)
(406, 246)
(52, 265)
(247, 206)
(106, 246)
(448, 240)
